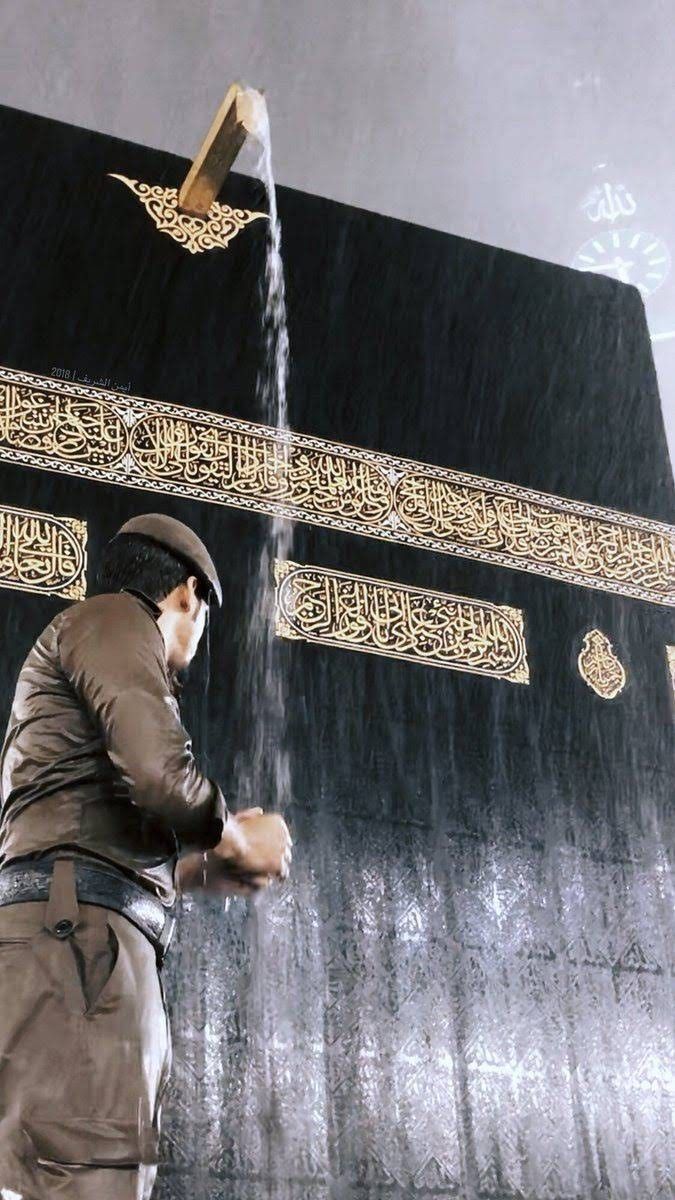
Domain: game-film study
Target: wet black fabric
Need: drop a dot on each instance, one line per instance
(445, 351)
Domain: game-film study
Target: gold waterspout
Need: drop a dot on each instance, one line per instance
(236, 118)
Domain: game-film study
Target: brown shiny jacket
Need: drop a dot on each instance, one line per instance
(95, 755)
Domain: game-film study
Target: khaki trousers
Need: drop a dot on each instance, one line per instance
(85, 1050)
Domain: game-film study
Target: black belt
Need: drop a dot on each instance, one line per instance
(95, 884)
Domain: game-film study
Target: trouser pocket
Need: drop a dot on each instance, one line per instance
(83, 963)
(88, 937)
(95, 948)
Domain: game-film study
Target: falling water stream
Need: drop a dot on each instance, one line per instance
(263, 773)
(262, 766)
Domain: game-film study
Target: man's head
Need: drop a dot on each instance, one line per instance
(165, 560)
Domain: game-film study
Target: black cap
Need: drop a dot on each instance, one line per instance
(183, 541)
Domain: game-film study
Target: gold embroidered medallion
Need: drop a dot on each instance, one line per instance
(600, 667)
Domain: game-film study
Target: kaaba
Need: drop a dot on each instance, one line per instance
(464, 988)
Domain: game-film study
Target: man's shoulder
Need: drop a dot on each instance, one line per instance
(103, 617)
(112, 610)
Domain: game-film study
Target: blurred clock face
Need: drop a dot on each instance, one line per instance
(630, 255)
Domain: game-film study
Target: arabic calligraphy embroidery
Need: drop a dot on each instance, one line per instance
(43, 553)
(109, 436)
(600, 667)
(316, 604)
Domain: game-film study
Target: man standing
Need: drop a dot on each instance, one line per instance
(104, 819)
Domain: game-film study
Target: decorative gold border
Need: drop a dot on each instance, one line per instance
(43, 553)
(117, 438)
(354, 612)
(195, 234)
(599, 665)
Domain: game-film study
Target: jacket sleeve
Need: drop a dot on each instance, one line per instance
(112, 652)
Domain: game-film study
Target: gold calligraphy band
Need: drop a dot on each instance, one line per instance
(98, 434)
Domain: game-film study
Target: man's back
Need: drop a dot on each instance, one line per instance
(95, 677)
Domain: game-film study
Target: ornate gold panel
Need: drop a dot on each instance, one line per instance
(110, 436)
(600, 666)
(333, 608)
(43, 553)
(195, 234)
